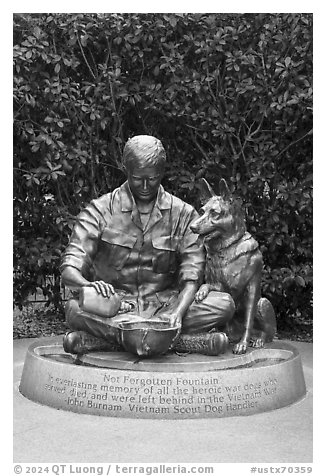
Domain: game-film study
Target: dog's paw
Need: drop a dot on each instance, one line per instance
(240, 348)
(202, 293)
(258, 343)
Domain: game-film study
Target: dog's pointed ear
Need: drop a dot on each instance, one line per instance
(224, 190)
(205, 190)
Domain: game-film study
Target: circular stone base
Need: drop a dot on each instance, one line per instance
(118, 384)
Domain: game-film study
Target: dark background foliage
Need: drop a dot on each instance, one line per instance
(229, 95)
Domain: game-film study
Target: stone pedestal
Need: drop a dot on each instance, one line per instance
(118, 384)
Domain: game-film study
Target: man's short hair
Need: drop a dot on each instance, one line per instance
(143, 151)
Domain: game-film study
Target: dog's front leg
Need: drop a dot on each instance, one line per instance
(202, 292)
(252, 294)
(205, 289)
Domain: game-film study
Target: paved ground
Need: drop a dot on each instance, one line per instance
(43, 434)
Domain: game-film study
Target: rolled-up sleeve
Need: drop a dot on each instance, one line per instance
(83, 243)
(192, 255)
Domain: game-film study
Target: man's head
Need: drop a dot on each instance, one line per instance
(143, 162)
(143, 151)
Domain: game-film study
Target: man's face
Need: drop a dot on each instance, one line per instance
(144, 182)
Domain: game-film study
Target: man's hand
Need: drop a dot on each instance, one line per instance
(172, 317)
(126, 307)
(175, 311)
(105, 289)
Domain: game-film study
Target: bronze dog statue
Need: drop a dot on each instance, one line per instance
(234, 265)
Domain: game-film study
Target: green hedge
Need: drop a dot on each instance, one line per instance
(229, 95)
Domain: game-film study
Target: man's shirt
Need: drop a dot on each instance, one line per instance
(109, 243)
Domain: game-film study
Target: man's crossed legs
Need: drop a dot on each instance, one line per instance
(92, 332)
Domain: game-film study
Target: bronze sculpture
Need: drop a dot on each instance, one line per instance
(135, 247)
(234, 265)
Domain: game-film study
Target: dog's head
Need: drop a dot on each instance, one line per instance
(221, 216)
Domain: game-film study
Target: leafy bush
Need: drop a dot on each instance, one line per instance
(229, 95)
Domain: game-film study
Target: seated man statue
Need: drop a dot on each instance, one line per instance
(135, 243)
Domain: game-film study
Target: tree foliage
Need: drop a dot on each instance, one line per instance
(229, 95)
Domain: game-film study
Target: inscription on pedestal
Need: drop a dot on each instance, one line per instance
(167, 396)
(149, 394)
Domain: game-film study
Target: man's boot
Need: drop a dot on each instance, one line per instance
(80, 342)
(207, 343)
